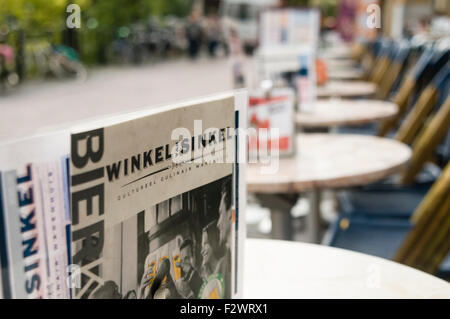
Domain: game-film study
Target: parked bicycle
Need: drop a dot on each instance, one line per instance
(50, 60)
(8, 76)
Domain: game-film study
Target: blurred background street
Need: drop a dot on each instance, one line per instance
(63, 61)
(110, 90)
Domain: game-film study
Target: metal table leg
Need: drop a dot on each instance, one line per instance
(280, 206)
(281, 224)
(313, 218)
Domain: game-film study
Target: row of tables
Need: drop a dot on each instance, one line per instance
(329, 161)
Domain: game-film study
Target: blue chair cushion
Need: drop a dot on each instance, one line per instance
(387, 201)
(444, 269)
(386, 198)
(378, 237)
(367, 129)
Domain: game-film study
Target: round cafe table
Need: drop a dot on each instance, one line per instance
(298, 270)
(345, 74)
(346, 89)
(337, 52)
(339, 64)
(322, 161)
(329, 113)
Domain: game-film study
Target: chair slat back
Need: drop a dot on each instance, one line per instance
(433, 132)
(427, 244)
(394, 70)
(369, 59)
(425, 65)
(440, 246)
(423, 107)
(380, 51)
(382, 62)
(366, 61)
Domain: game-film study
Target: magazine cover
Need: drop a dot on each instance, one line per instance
(33, 238)
(50, 203)
(274, 110)
(154, 203)
(24, 247)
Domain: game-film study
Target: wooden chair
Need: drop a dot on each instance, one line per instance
(382, 62)
(423, 107)
(424, 129)
(402, 193)
(421, 242)
(358, 50)
(430, 60)
(400, 56)
(428, 139)
(428, 242)
(368, 58)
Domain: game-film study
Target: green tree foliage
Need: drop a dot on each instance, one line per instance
(103, 19)
(49, 14)
(328, 7)
(33, 15)
(296, 3)
(100, 18)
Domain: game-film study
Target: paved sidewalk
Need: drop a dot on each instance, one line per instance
(108, 91)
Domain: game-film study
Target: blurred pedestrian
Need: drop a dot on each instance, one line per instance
(236, 58)
(346, 19)
(213, 34)
(193, 35)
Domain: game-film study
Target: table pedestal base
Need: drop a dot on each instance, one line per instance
(281, 224)
(313, 218)
(280, 206)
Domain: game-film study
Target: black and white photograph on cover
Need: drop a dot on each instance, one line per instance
(179, 248)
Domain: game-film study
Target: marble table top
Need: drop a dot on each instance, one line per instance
(332, 112)
(336, 52)
(339, 64)
(329, 161)
(281, 269)
(345, 74)
(346, 89)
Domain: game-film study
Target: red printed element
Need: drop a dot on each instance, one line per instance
(254, 121)
(283, 143)
(255, 101)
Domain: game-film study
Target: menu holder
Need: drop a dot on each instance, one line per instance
(271, 123)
